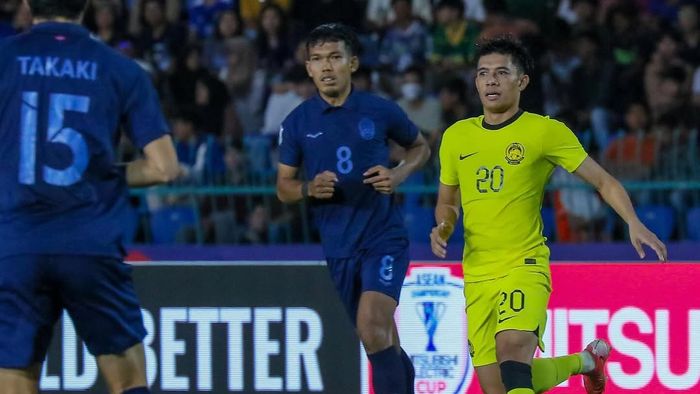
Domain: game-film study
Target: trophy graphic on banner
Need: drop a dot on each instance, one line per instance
(430, 312)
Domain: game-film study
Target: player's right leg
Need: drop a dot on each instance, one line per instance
(481, 297)
(28, 311)
(125, 372)
(99, 295)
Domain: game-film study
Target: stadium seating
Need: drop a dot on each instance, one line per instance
(693, 224)
(658, 218)
(168, 222)
(258, 148)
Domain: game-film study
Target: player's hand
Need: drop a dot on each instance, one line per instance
(382, 179)
(640, 235)
(438, 239)
(323, 185)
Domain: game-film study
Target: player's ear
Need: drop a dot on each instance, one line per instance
(523, 82)
(354, 63)
(308, 69)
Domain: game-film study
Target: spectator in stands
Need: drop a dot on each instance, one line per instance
(632, 155)
(422, 109)
(201, 157)
(228, 25)
(159, 39)
(292, 90)
(453, 36)
(202, 16)
(251, 9)
(453, 103)
(245, 82)
(7, 15)
(381, 13)
(217, 111)
(579, 14)
(274, 44)
(258, 222)
(172, 11)
(104, 19)
(590, 94)
(689, 27)
(558, 64)
(405, 43)
(666, 75)
(181, 83)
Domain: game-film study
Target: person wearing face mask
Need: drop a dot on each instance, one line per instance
(421, 108)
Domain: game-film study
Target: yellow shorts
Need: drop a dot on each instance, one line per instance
(517, 301)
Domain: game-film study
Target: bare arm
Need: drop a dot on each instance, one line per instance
(159, 164)
(446, 215)
(615, 195)
(291, 190)
(288, 187)
(386, 180)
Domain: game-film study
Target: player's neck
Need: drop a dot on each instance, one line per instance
(58, 19)
(498, 118)
(338, 100)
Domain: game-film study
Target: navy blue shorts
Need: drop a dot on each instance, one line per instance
(381, 268)
(97, 292)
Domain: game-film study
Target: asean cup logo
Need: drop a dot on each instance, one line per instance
(433, 330)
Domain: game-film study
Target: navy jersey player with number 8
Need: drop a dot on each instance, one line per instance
(340, 137)
(63, 198)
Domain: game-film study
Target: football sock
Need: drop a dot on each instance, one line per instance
(388, 372)
(549, 372)
(410, 372)
(517, 377)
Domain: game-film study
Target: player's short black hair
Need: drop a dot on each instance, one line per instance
(70, 9)
(507, 45)
(334, 32)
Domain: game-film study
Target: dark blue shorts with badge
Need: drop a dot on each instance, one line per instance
(381, 268)
(97, 292)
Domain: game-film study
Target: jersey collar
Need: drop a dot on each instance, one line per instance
(350, 102)
(60, 28)
(501, 125)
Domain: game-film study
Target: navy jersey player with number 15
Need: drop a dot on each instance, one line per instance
(63, 198)
(340, 138)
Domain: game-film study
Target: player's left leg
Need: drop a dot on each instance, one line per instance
(375, 326)
(383, 271)
(522, 316)
(99, 295)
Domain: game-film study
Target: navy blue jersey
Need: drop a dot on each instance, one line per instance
(63, 98)
(348, 140)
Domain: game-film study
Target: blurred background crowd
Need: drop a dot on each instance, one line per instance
(624, 75)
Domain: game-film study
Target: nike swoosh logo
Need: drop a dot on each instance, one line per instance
(315, 135)
(505, 318)
(462, 157)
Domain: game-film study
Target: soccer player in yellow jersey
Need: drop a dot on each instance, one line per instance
(495, 167)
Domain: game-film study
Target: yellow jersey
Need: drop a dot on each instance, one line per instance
(501, 172)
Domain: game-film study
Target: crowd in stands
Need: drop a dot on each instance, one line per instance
(623, 74)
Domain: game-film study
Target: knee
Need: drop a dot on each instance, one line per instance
(376, 333)
(515, 347)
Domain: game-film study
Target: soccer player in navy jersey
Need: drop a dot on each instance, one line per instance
(63, 197)
(340, 137)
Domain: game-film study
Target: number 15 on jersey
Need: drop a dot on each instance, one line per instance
(57, 133)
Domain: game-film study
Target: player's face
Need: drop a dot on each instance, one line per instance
(499, 83)
(331, 65)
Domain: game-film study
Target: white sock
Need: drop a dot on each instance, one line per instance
(587, 362)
